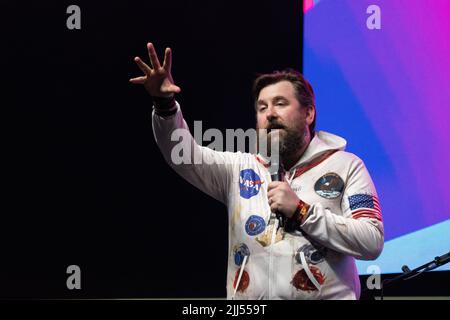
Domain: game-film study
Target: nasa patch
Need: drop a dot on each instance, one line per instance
(255, 225)
(249, 183)
(329, 186)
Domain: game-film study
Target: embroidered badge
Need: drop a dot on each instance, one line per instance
(312, 255)
(240, 251)
(244, 282)
(363, 201)
(302, 282)
(255, 225)
(329, 186)
(365, 206)
(249, 183)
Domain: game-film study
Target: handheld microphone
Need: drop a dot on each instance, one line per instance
(276, 168)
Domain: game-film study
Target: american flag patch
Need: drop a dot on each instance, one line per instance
(365, 206)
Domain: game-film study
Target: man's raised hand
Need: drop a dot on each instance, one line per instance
(157, 79)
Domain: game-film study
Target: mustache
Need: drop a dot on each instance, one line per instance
(274, 125)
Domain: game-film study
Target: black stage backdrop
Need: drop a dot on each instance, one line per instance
(84, 181)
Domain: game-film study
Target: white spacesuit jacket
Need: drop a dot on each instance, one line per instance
(317, 260)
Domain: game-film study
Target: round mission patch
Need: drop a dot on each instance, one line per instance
(329, 186)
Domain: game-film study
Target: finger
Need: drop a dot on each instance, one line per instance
(138, 80)
(173, 89)
(171, 84)
(274, 207)
(273, 185)
(274, 196)
(153, 56)
(271, 193)
(142, 65)
(168, 59)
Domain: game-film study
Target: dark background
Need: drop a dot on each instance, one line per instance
(84, 182)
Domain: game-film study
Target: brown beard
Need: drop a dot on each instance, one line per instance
(291, 141)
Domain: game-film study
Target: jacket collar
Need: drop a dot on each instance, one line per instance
(322, 143)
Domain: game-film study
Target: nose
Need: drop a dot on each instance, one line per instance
(271, 113)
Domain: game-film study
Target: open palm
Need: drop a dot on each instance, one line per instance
(158, 79)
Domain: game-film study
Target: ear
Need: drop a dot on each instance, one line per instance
(310, 114)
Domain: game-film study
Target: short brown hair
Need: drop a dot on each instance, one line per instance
(303, 89)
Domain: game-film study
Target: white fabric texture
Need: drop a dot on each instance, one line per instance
(343, 223)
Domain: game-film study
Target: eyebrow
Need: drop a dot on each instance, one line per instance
(260, 102)
(276, 98)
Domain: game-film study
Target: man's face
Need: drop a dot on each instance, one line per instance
(278, 108)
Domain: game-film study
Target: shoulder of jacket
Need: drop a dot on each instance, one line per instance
(348, 156)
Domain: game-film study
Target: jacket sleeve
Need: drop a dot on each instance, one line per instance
(358, 230)
(207, 169)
